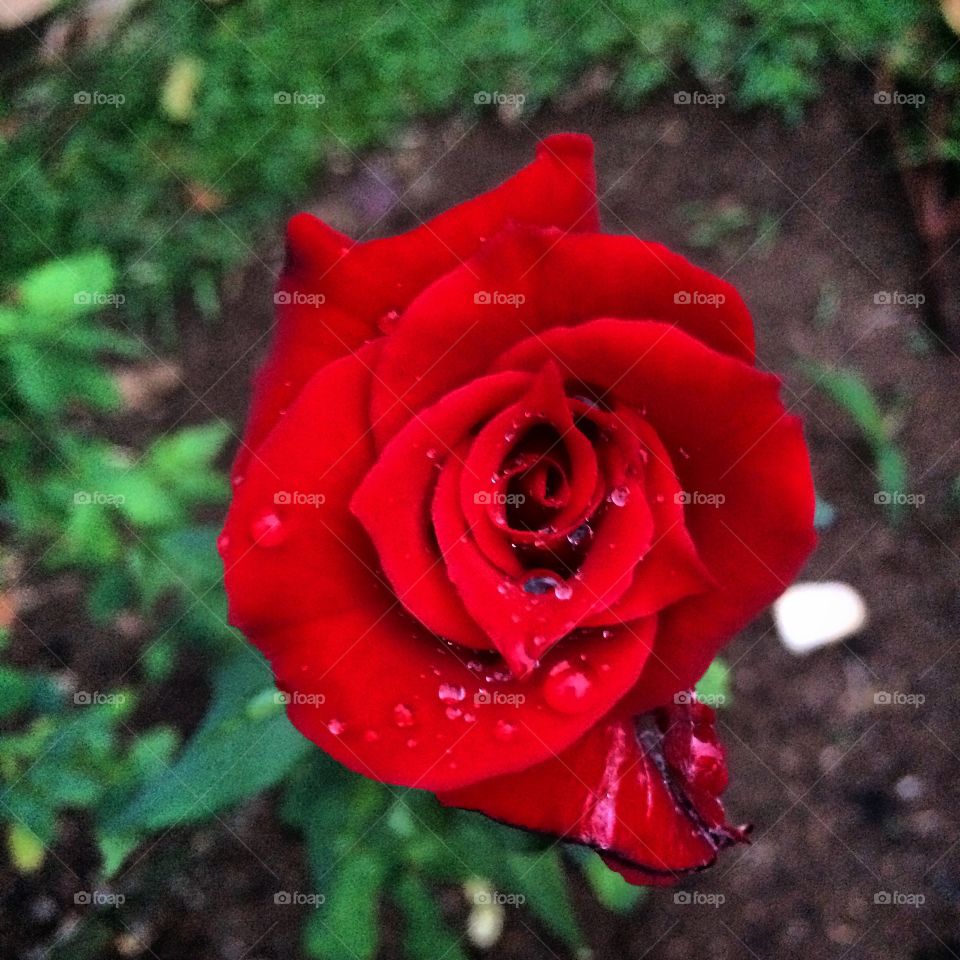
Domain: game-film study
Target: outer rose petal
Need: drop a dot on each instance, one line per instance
(286, 562)
(644, 791)
(381, 695)
(333, 292)
(728, 434)
(555, 280)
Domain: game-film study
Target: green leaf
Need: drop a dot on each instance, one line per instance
(425, 934)
(609, 887)
(231, 757)
(346, 926)
(66, 286)
(26, 848)
(713, 687)
(541, 879)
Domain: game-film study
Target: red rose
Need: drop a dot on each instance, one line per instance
(508, 485)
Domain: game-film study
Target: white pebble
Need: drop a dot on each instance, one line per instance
(813, 615)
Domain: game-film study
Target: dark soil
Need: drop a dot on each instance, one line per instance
(849, 798)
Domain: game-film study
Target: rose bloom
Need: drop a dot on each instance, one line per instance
(507, 486)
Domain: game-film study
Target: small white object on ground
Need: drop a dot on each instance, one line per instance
(813, 615)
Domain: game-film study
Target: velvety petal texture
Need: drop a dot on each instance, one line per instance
(507, 486)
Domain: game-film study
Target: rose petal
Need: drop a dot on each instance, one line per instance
(543, 278)
(644, 791)
(333, 292)
(291, 549)
(379, 694)
(729, 437)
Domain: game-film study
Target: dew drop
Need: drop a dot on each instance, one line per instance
(683, 453)
(580, 536)
(268, 530)
(619, 496)
(236, 480)
(660, 498)
(470, 717)
(452, 713)
(504, 731)
(336, 727)
(503, 588)
(223, 544)
(433, 454)
(563, 591)
(403, 715)
(451, 693)
(540, 585)
(371, 736)
(568, 689)
(411, 742)
(388, 321)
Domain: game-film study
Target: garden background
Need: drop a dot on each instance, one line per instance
(154, 801)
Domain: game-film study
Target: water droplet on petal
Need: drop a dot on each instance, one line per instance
(223, 544)
(503, 587)
(451, 693)
(236, 480)
(540, 585)
(268, 530)
(452, 713)
(563, 591)
(388, 321)
(336, 727)
(619, 496)
(683, 453)
(411, 742)
(403, 715)
(504, 731)
(568, 689)
(580, 536)
(433, 454)
(371, 736)
(470, 717)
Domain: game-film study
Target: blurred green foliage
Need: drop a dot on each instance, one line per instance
(180, 176)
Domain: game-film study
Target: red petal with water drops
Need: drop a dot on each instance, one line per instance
(384, 697)
(394, 504)
(291, 549)
(644, 791)
(738, 456)
(334, 293)
(525, 281)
